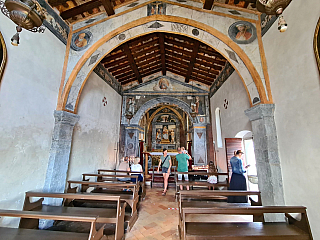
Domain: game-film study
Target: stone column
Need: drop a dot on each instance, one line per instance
(60, 151)
(267, 154)
(59, 156)
(199, 144)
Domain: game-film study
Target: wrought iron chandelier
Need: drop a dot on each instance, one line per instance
(27, 14)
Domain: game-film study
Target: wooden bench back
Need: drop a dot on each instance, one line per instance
(106, 177)
(93, 235)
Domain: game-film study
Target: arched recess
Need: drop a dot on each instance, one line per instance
(161, 101)
(208, 35)
(3, 55)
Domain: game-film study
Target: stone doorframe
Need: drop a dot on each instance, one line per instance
(208, 35)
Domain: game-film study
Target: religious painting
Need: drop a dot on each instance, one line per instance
(242, 32)
(131, 103)
(165, 118)
(165, 134)
(156, 8)
(81, 40)
(3, 55)
(196, 106)
(316, 43)
(163, 85)
(158, 135)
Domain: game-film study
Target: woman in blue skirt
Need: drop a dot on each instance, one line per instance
(238, 180)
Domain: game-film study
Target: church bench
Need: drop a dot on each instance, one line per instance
(214, 199)
(111, 189)
(158, 177)
(118, 172)
(290, 229)
(27, 231)
(199, 183)
(105, 215)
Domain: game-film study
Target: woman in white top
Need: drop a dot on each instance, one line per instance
(136, 167)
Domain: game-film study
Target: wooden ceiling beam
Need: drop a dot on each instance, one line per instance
(116, 63)
(205, 74)
(140, 64)
(182, 71)
(126, 74)
(150, 69)
(209, 64)
(202, 77)
(192, 60)
(206, 69)
(146, 57)
(175, 71)
(108, 6)
(211, 60)
(183, 44)
(126, 78)
(149, 50)
(152, 72)
(174, 62)
(112, 57)
(179, 50)
(142, 40)
(148, 44)
(124, 69)
(149, 64)
(200, 80)
(178, 58)
(180, 37)
(211, 52)
(128, 81)
(72, 12)
(126, 49)
(119, 67)
(163, 53)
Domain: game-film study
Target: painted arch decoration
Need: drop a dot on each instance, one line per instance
(110, 33)
(3, 55)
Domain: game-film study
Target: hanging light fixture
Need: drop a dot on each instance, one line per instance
(27, 14)
(274, 7)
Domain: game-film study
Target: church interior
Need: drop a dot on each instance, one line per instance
(89, 85)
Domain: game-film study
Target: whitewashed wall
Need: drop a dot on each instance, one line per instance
(28, 97)
(233, 119)
(295, 86)
(96, 134)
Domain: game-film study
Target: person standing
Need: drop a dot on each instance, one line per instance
(183, 164)
(124, 166)
(165, 162)
(238, 180)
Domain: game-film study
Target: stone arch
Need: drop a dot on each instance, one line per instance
(230, 50)
(159, 101)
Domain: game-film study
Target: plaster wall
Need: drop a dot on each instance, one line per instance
(233, 119)
(96, 135)
(28, 97)
(296, 92)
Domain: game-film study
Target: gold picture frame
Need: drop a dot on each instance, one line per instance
(3, 55)
(316, 44)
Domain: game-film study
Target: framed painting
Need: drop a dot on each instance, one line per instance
(242, 32)
(316, 44)
(3, 55)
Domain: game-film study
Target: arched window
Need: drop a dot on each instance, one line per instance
(218, 128)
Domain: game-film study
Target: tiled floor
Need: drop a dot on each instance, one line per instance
(156, 220)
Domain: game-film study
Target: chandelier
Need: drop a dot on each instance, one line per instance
(27, 14)
(274, 7)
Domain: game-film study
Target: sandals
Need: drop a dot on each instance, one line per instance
(164, 193)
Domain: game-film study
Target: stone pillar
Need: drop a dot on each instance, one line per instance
(267, 154)
(132, 140)
(60, 151)
(199, 144)
(59, 156)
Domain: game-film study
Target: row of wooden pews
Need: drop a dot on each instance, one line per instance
(99, 200)
(203, 214)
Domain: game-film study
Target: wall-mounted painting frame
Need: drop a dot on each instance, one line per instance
(316, 44)
(3, 55)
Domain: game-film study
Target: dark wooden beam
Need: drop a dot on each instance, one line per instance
(174, 62)
(178, 50)
(124, 69)
(123, 79)
(192, 60)
(175, 71)
(108, 6)
(145, 45)
(128, 81)
(80, 9)
(117, 63)
(152, 55)
(181, 71)
(176, 57)
(126, 49)
(150, 69)
(182, 44)
(148, 65)
(212, 60)
(151, 49)
(143, 39)
(209, 64)
(147, 62)
(151, 72)
(208, 4)
(200, 80)
(206, 69)
(163, 53)
(112, 57)
(122, 75)
(209, 76)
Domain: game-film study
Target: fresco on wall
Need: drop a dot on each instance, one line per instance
(163, 85)
(156, 8)
(3, 55)
(81, 40)
(242, 32)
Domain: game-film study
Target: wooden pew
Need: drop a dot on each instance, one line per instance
(214, 199)
(115, 216)
(118, 172)
(112, 189)
(106, 177)
(196, 183)
(292, 229)
(27, 232)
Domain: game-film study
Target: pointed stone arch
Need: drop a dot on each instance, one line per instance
(224, 45)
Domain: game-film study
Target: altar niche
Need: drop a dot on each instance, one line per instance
(165, 131)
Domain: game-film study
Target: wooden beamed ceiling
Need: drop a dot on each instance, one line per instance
(162, 52)
(73, 10)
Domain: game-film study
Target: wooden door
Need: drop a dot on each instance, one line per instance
(232, 145)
